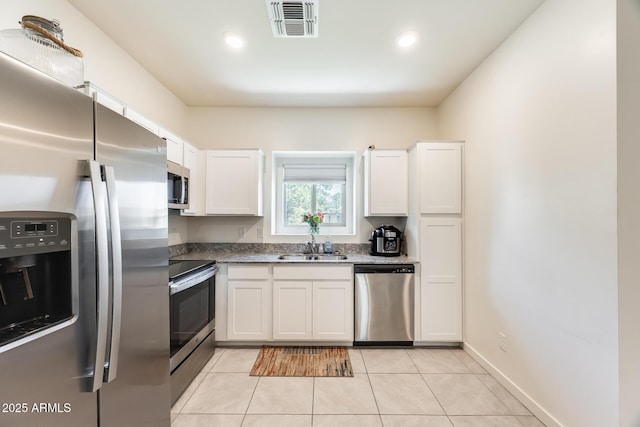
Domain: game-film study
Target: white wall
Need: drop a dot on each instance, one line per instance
(539, 121)
(304, 129)
(105, 63)
(629, 209)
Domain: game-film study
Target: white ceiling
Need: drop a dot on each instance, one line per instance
(354, 62)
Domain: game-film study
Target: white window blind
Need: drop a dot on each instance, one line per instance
(330, 174)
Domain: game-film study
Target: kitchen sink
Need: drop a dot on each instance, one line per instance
(312, 257)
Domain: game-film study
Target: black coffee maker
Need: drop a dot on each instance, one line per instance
(386, 240)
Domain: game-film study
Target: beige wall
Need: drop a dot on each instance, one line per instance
(629, 209)
(112, 69)
(539, 120)
(304, 129)
(105, 63)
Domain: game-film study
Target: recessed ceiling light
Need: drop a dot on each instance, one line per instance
(407, 39)
(233, 40)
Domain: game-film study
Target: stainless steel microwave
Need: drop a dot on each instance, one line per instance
(177, 186)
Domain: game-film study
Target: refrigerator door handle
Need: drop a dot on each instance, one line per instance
(111, 364)
(102, 265)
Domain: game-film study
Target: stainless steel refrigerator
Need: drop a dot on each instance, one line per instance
(84, 304)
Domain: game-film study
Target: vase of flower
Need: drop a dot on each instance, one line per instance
(313, 221)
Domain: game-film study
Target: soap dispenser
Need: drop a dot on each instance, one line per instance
(328, 247)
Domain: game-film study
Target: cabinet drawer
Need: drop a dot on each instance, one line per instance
(251, 272)
(312, 272)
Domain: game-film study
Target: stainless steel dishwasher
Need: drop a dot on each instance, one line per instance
(384, 304)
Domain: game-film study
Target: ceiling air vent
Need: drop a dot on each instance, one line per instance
(293, 18)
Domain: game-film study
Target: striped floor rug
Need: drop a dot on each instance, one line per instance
(276, 361)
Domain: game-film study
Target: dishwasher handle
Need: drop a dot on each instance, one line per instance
(384, 269)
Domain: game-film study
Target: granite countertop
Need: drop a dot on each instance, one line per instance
(248, 257)
(269, 253)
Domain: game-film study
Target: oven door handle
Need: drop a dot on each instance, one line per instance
(191, 281)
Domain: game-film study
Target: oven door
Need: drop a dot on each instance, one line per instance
(192, 315)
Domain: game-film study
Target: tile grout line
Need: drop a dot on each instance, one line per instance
(496, 396)
(477, 374)
(313, 401)
(253, 393)
(431, 390)
(375, 399)
(435, 397)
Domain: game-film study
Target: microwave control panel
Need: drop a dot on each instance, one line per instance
(34, 233)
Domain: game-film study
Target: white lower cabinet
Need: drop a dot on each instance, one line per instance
(248, 303)
(441, 279)
(292, 308)
(333, 310)
(313, 303)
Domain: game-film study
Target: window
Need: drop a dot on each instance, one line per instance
(313, 182)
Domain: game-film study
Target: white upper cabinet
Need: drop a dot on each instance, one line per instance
(175, 147)
(440, 177)
(386, 183)
(146, 123)
(234, 182)
(104, 98)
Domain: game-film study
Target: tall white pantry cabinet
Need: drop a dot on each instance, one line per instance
(434, 237)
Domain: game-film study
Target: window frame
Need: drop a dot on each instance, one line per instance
(279, 158)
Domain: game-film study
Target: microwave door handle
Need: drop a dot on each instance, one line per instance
(111, 364)
(102, 277)
(183, 195)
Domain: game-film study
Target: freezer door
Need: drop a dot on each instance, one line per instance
(46, 133)
(140, 392)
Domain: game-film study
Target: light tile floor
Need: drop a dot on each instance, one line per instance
(390, 388)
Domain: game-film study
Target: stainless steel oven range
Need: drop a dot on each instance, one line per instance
(192, 320)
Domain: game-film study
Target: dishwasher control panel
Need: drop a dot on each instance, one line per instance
(384, 269)
(409, 270)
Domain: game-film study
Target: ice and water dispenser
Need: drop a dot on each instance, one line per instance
(36, 280)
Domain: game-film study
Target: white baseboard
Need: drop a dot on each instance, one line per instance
(523, 397)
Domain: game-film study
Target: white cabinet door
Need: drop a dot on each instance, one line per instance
(234, 182)
(386, 183)
(441, 279)
(146, 123)
(104, 98)
(333, 310)
(174, 151)
(320, 297)
(440, 175)
(248, 310)
(175, 146)
(190, 161)
(292, 310)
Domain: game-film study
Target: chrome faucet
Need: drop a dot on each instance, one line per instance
(313, 247)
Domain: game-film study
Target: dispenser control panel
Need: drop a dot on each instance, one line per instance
(34, 232)
(38, 228)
